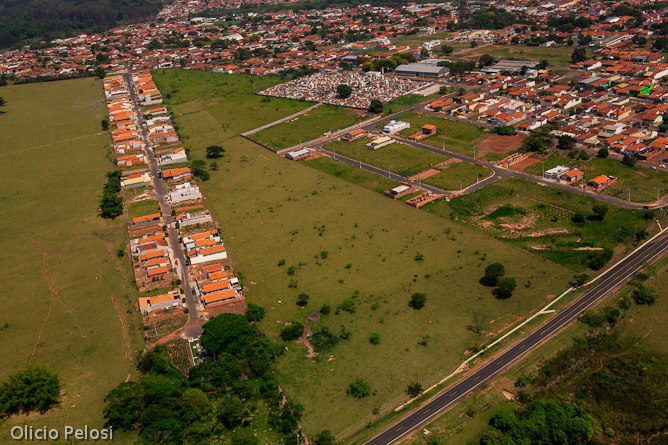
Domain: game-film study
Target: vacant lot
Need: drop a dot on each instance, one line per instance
(644, 182)
(458, 176)
(307, 127)
(355, 175)
(401, 159)
(500, 144)
(66, 301)
(555, 55)
(142, 208)
(292, 212)
(540, 219)
(454, 136)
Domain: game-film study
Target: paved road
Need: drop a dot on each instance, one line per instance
(498, 171)
(614, 277)
(161, 191)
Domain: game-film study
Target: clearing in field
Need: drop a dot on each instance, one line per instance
(401, 159)
(543, 220)
(68, 293)
(363, 255)
(644, 183)
(307, 127)
(555, 55)
(355, 175)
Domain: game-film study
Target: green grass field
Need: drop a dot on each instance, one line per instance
(406, 101)
(142, 208)
(307, 127)
(555, 55)
(352, 174)
(67, 305)
(271, 209)
(454, 136)
(540, 220)
(459, 175)
(643, 182)
(401, 159)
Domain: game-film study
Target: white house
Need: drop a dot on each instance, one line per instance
(395, 126)
(184, 192)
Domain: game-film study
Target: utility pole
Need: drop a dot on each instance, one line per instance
(519, 310)
(658, 190)
(629, 194)
(461, 188)
(389, 172)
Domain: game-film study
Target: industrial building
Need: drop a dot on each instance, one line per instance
(421, 70)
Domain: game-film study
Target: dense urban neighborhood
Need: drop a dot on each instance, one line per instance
(256, 222)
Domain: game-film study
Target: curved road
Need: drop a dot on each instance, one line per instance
(608, 282)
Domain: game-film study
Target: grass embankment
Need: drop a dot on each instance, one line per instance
(67, 305)
(142, 208)
(643, 182)
(352, 174)
(619, 377)
(540, 219)
(272, 209)
(458, 176)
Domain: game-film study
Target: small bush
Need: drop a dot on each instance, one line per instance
(325, 309)
(417, 300)
(292, 332)
(374, 338)
(359, 389)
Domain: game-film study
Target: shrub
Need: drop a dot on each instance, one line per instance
(348, 305)
(597, 260)
(292, 332)
(603, 153)
(414, 389)
(324, 254)
(325, 437)
(325, 309)
(359, 389)
(578, 217)
(281, 263)
(374, 338)
(292, 270)
(417, 300)
(644, 295)
(254, 312)
(629, 160)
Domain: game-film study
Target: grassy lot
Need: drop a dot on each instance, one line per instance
(225, 98)
(352, 174)
(640, 327)
(555, 55)
(54, 163)
(461, 174)
(288, 211)
(456, 130)
(402, 159)
(643, 187)
(406, 101)
(142, 208)
(307, 127)
(539, 219)
(415, 40)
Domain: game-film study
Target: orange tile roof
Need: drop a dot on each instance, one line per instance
(141, 219)
(152, 255)
(213, 268)
(212, 250)
(157, 271)
(218, 296)
(213, 287)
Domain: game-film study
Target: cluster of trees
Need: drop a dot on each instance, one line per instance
(36, 20)
(538, 140)
(459, 68)
(541, 421)
(579, 55)
(344, 91)
(111, 204)
(494, 276)
(390, 63)
(35, 388)
(221, 393)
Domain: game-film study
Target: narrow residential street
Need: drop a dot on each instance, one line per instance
(161, 190)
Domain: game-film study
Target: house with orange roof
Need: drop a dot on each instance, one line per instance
(176, 174)
(169, 300)
(354, 135)
(601, 182)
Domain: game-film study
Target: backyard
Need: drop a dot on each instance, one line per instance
(348, 243)
(71, 297)
(142, 208)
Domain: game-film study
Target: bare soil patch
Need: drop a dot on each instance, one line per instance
(520, 166)
(314, 316)
(501, 144)
(425, 174)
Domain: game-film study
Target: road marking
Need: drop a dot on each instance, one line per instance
(426, 411)
(401, 427)
(476, 378)
(523, 346)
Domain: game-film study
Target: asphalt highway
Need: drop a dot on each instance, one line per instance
(614, 277)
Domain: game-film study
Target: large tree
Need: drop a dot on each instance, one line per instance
(493, 273)
(229, 333)
(344, 90)
(214, 152)
(35, 388)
